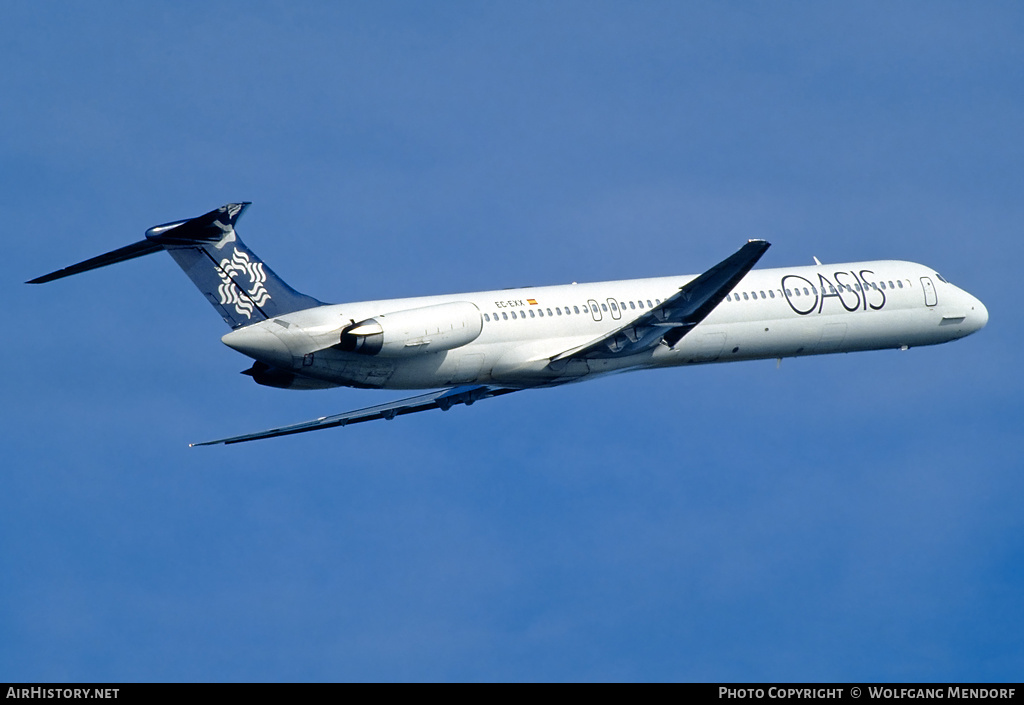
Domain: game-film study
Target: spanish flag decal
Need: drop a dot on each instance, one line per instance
(532, 302)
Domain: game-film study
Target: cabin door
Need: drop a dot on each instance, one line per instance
(930, 298)
(614, 308)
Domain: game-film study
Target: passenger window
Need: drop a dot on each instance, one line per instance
(640, 303)
(728, 297)
(745, 297)
(899, 283)
(558, 310)
(513, 315)
(771, 293)
(806, 292)
(649, 304)
(549, 312)
(577, 310)
(487, 318)
(531, 314)
(504, 315)
(604, 307)
(890, 284)
(658, 301)
(540, 312)
(763, 296)
(788, 292)
(632, 305)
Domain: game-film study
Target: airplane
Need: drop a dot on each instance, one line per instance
(469, 347)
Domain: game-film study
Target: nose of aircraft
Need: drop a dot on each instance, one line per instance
(978, 316)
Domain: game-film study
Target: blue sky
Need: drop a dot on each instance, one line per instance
(851, 517)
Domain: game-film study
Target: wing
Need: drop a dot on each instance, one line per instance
(442, 399)
(675, 316)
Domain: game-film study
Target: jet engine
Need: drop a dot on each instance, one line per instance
(414, 331)
(269, 376)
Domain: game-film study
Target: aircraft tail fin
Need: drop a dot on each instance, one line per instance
(234, 280)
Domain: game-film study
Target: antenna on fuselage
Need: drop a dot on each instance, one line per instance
(816, 261)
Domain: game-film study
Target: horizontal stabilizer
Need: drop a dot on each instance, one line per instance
(208, 227)
(442, 399)
(138, 249)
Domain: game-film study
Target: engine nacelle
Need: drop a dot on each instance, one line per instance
(414, 331)
(269, 376)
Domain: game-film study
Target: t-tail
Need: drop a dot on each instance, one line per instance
(240, 286)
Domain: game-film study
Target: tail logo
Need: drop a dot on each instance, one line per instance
(232, 291)
(232, 209)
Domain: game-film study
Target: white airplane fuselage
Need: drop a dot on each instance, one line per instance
(510, 336)
(483, 345)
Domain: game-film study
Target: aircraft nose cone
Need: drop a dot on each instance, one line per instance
(980, 314)
(977, 315)
(260, 344)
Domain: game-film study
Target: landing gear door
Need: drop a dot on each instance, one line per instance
(930, 298)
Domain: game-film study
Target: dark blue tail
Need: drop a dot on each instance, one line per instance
(240, 286)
